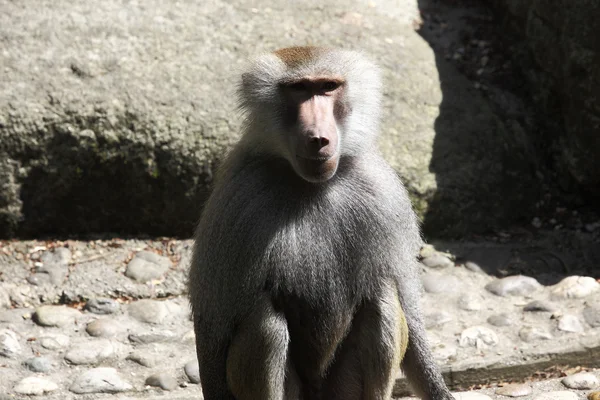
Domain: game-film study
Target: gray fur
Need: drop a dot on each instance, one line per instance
(298, 289)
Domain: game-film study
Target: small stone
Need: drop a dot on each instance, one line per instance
(594, 396)
(478, 336)
(436, 319)
(149, 311)
(470, 396)
(538, 305)
(57, 256)
(90, 352)
(473, 267)
(142, 358)
(437, 261)
(100, 380)
(9, 344)
(151, 337)
(592, 316)
(35, 386)
(54, 265)
(575, 287)
(38, 364)
(102, 306)
(103, 328)
(444, 352)
(189, 337)
(558, 395)
(517, 285)
(514, 390)
(147, 266)
(54, 341)
(427, 250)
(530, 334)
(162, 380)
(59, 316)
(470, 302)
(570, 323)
(499, 320)
(192, 371)
(39, 279)
(581, 381)
(4, 299)
(438, 283)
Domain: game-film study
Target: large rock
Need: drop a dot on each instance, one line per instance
(114, 115)
(564, 44)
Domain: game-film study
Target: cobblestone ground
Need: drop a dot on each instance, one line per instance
(109, 318)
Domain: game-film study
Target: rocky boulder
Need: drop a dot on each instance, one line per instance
(113, 116)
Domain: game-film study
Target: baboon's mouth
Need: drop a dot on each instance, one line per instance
(317, 169)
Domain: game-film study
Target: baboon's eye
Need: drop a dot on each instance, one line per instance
(329, 86)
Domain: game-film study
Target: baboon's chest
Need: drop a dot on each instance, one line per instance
(319, 277)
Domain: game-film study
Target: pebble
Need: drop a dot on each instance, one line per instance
(575, 287)
(192, 371)
(149, 311)
(147, 266)
(591, 314)
(427, 250)
(539, 305)
(163, 380)
(470, 396)
(54, 265)
(55, 315)
(9, 344)
(436, 319)
(102, 305)
(530, 334)
(54, 341)
(39, 279)
(35, 386)
(478, 336)
(517, 285)
(38, 364)
(437, 261)
(151, 337)
(570, 323)
(103, 328)
(189, 337)
(90, 352)
(470, 302)
(58, 256)
(499, 320)
(474, 267)
(594, 396)
(515, 390)
(558, 395)
(581, 381)
(437, 283)
(4, 299)
(444, 352)
(142, 358)
(100, 380)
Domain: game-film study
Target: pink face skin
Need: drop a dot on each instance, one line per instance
(314, 105)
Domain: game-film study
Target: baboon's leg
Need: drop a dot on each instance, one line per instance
(366, 365)
(257, 357)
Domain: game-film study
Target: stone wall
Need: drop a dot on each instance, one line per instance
(563, 39)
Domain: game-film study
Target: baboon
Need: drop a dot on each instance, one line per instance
(304, 282)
